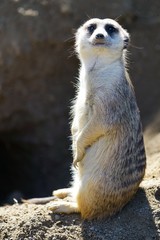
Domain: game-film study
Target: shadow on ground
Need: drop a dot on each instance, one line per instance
(134, 222)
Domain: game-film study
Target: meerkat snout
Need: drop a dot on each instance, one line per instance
(99, 36)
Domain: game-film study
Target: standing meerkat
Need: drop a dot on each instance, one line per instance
(107, 140)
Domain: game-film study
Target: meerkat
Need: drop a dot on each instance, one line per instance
(107, 140)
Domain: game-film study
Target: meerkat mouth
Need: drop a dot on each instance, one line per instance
(98, 43)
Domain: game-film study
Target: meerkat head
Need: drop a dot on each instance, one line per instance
(101, 38)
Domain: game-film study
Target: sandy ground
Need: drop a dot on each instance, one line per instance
(139, 220)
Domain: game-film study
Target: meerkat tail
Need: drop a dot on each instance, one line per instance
(42, 200)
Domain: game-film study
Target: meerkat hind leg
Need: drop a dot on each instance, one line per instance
(62, 206)
(62, 193)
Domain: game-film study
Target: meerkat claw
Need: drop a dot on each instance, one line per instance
(75, 163)
(52, 206)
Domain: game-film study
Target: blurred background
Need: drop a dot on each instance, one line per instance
(37, 74)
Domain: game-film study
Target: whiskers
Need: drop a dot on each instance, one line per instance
(71, 41)
(71, 49)
(136, 47)
(117, 18)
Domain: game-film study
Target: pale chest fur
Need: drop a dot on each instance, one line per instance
(95, 93)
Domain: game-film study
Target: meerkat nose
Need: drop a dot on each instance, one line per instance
(99, 36)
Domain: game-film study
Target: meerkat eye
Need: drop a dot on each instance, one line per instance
(110, 29)
(91, 28)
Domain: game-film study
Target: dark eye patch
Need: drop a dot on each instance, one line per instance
(91, 28)
(110, 29)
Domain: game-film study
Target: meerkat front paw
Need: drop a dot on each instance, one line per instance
(76, 160)
(79, 155)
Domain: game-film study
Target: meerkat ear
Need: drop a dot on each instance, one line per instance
(126, 42)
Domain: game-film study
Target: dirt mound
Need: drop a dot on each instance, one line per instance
(140, 219)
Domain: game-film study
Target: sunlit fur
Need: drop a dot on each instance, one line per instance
(108, 149)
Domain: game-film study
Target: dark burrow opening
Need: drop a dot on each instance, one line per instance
(26, 174)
